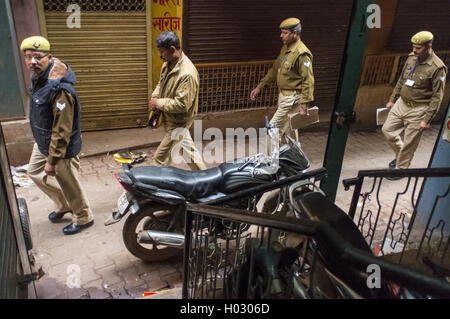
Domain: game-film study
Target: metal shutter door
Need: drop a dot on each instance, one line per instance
(415, 15)
(109, 57)
(240, 31)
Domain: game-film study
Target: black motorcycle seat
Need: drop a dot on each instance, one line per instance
(190, 184)
(228, 177)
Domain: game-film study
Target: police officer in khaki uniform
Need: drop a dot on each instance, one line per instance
(417, 97)
(55, 122)
(176, 95)
(293, 73)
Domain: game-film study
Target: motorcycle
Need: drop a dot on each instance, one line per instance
(314, 268)
(156, 196)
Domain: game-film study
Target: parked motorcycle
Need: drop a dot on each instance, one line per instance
(316, 268)
(156, 196)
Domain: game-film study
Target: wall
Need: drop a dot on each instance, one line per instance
(379, 37)
(12, 92)
(166, 16)
(435, 192)
(18, 138)
(26, 23)
(369, 98)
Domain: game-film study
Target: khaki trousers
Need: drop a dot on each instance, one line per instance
(179, 141)
(287, 104)
(403, 118)
(64, 189)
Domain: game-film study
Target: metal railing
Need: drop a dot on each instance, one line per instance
(228, 252)
(386, 68)
(208, 257)
(390, 217)
(226, 86)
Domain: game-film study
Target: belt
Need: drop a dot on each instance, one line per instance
(289, 92)
(412, 104)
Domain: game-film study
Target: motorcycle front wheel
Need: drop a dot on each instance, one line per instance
(152, 217)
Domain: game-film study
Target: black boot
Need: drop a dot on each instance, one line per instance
(73, 229)
(55, 217)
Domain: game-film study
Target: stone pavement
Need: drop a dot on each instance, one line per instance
(106, 269)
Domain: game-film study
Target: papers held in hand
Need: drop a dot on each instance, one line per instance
(297, 121)
(382, 114)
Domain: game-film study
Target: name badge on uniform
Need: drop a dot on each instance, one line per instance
(409, 83)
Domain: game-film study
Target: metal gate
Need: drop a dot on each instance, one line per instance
(109, 55)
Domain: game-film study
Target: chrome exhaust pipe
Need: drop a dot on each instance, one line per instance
(161, 238)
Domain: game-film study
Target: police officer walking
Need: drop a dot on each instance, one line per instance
(293, 73)
(415, 99)
(176, 95)
(55, 123)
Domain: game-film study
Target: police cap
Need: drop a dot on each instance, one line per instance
(289, 23)
(422, 37)
(35, 43)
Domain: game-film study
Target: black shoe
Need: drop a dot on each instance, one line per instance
(73, 229)
(55, 217)
(393, 163)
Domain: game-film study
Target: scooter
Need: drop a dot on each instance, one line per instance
(156, 196)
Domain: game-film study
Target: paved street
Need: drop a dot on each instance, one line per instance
(108, 270)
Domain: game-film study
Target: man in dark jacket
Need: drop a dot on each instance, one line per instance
(55, 123)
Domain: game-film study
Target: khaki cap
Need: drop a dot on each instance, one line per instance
(35, 43)
(422, 37)
(289, 23)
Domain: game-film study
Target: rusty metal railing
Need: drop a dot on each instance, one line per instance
(232, 253)
(227, 86)
(388, 215)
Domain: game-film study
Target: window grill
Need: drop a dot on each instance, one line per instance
(386, 69)
(227, 86)
(96, 5)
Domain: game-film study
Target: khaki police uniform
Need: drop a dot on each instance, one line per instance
(177, 97)
(64, 189)
(293, 72)
(417, 95)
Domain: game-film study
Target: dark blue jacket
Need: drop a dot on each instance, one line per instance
(43, 92)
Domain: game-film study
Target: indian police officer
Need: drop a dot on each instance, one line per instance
(55, 123)
(176, 95)
(415, 99)
(292, 70)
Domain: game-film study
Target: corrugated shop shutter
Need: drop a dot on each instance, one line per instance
(415, 15)
(239, 31)
(8, 250)
(109, 57)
